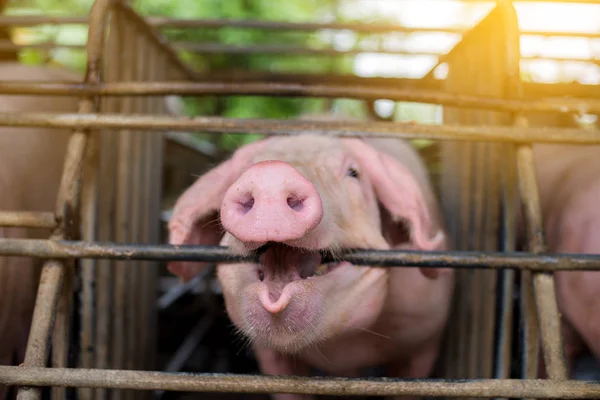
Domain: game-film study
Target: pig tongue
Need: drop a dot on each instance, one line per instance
(282, 264)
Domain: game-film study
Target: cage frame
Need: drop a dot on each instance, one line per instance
(63, 247)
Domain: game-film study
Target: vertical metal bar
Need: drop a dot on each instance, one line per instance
(105, 267)
(450, 199)
(509, 186)
(543, 283)
(51, 281)
(107, 181)
(490, 233)
(123, 322)
(477, 203)
(88, 267)
(62, 324)
(155, 169)
(148, 304)
(147, 72)
(492, 81)
(138, 196)
(53, 273)
(466, 312)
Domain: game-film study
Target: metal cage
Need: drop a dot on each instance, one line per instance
(113, 168)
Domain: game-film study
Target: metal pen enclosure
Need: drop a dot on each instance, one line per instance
(111, 188)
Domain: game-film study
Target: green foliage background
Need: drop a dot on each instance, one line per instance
(233, 106)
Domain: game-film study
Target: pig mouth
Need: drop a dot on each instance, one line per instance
(280, 264)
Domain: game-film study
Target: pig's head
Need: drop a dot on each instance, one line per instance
(294, 200)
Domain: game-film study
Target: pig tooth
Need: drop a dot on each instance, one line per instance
(321, 270)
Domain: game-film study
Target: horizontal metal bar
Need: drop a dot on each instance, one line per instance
(161, 22)
(384, 258)
(295, 26)
(218, 48)
(534, 90)
(28, 219)
(9, 46)
(222, 383)
(352, 91)
(294, 127)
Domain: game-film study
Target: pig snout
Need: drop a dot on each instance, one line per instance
(271, 201)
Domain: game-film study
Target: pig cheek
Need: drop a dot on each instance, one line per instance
(359, 304)
(235, 279)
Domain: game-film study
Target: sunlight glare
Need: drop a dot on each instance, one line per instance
(537, 16)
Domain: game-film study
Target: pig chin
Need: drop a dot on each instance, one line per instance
(282, 302)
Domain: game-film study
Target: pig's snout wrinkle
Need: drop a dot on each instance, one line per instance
(271, 201)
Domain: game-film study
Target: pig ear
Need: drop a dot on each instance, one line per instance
(405, 199)
(195, 218)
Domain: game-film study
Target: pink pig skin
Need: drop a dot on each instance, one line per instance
(315, 192)
(569, 184)
(31, 161)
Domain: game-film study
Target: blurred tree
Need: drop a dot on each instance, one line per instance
(249, 106)
(230, 106)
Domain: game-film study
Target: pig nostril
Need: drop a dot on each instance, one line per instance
(247, 204)
(295, 203)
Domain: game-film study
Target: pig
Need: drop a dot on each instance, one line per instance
(297, 201)
(31, 161)
(569, 187)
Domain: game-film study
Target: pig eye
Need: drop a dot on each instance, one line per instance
(352, 172)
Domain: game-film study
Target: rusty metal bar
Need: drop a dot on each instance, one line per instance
(161, 22)
(292, 127)
(8, 46)
(28, 219)
(548, 316)
(43, 317)
(218, 48)
(32, 20)
(54, 272)
(529, 318)
(61, 335)
(543, 283)
(533, 90)
(88, 272)
(232, 383)
(187, 348)
(67, 204)
(121, 322)
(503, 356)
(355, 91)
(164, 22)
(65, 249)
(107, 200)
